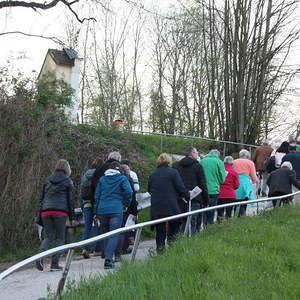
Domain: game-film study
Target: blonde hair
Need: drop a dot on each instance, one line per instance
(63, 164)
(164, 158)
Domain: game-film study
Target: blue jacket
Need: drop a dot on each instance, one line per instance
(112, 194)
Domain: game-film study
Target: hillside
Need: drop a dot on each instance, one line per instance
(246, 258)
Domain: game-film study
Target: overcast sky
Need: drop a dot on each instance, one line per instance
(27, 53)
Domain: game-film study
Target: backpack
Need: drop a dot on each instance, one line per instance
(86, 190)
(270, 164)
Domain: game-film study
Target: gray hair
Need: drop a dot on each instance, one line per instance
(228, 160)
(114, 155)
(63, 165)
(265, 142)
(189, 151)
(215, 152)
(244, 154)
(287, 164)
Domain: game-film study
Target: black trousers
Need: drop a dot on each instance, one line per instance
(227, 210)
(162, 232)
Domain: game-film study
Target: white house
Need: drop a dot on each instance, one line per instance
(65, 64)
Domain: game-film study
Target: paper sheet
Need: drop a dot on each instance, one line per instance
(130, 221)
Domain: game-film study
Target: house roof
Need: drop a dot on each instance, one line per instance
(63, 57)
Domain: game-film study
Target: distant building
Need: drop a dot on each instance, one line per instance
(65, 64)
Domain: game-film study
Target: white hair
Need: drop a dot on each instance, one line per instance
(114, 155)
(244, 154)
(228, 160)
(215, 152)
(287, 164)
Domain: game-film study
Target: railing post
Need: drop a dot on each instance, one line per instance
(224, 150)
(62, 281)
(188, 227)
(136, 243)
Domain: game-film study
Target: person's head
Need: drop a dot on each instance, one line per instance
(214, 152)
(125, 162)
(115, 155)
(244, 154)
(228, 160)
(291, 139)
(298, 140)
(265, 142)
(98, 162)
(192, 152)
(292, 147)
(276, 144)
(114, 165)
(287, 164)
(64, 166)
(284, 147)
(125, 169)
(164, 159)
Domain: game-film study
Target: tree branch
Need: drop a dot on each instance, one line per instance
(44, 6)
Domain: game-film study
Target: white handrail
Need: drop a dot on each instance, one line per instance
(52, 251)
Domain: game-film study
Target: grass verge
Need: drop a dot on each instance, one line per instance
(247, 258)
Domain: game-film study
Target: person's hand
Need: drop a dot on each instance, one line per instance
(125, 209)
(95, 218)
(72, 223)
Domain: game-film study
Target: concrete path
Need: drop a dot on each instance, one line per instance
(31, 284)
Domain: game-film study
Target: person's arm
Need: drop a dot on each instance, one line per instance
(179, 186)
(127, 191)
(70, 199)
(294, 180)
(135, 180)
(97, 197)
(201, 180)
(42, 197)
(221, 172)
(252, 171)
(236, 182)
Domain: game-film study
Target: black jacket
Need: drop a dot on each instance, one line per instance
(280, 181)
(99, 172)
(57, 194)
(192, 175)
(294, 159)
(165, 186)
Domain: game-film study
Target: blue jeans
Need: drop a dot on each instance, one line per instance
(90, 230)
(108, 223)
(210, 215)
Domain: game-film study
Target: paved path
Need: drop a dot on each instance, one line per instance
(31, 284)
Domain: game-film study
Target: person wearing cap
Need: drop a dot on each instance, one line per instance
(262, 153)
(280, 182)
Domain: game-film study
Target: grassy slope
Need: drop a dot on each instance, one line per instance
(249, 258)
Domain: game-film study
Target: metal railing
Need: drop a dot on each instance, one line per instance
(195, 137)
(138, 227)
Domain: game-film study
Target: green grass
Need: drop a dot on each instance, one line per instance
(248, 258)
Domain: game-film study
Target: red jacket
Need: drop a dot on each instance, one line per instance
(231, 183)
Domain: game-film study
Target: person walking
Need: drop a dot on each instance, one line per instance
(294, 158)
(112, 197)
(280, 183)
(247, 176)
(280, 153)
(261, 154)
(227, 189)
(165, 186)
(56, 206)
(87, 203)
(192, 175)
(215, 174)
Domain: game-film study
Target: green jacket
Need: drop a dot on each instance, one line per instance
(215, 173)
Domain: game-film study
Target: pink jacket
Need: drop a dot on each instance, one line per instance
(231, 183)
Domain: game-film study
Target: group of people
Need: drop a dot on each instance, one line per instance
(108, 194)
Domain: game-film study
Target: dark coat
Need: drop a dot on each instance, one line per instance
(165, 186)
(99, 172)
(280, 181)
(294, 159)
(192, 175)
(57, 194)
